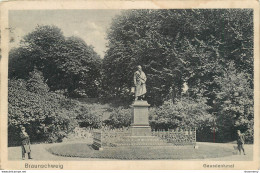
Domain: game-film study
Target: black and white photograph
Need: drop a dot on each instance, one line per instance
(137, 84)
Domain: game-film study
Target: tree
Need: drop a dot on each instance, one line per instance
(134, 39)
(80, 66)
(196, 47)
(177, 46)
(67, 64)
(235, 105)
(225, 38)
(19, 58)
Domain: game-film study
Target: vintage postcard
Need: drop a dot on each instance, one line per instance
(157, 85)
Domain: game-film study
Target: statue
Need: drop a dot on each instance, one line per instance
(139, 81)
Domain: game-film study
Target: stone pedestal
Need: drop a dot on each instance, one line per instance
(140, 120)
(139, 134)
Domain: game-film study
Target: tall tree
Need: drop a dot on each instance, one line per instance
(177, 46)
(198, 47)
(67, 64)
(135, 39)
(234, 105)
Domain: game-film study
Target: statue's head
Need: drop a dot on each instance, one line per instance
(22, 128)
(139, 67)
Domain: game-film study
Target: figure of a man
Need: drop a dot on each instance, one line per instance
(26, 148)
(139, 82)
(240, 142)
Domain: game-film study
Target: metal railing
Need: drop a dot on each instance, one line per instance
(110, 137)
(106, 137)
(177, 136)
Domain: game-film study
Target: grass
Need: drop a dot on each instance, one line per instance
(141, 152)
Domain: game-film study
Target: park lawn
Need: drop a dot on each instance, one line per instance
(84, 150)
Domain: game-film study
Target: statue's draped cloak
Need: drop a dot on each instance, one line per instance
(140, 79)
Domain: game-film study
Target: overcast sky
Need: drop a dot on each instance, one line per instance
(90, 25)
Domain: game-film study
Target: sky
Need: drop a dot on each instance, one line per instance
(90, 25)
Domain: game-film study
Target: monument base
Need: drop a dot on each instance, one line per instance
(140, 124)
(141, 141)
(141, 130)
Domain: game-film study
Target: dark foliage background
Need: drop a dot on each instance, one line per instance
(209, 50)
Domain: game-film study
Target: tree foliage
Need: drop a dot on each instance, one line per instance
(67, 64)
(234, 105)
(198, 47)
(47, 116)
(36, 84)
(176, 46)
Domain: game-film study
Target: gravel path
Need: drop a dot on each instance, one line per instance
(39, 152)
(235, 156)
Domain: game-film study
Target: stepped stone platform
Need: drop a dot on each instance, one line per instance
(141, 141)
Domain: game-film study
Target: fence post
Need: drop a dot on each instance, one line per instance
(195, 135)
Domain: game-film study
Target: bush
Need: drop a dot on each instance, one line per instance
(119, 117)
(42, 113)
(184, 113)
(89, 115)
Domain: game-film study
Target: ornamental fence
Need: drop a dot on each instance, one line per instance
(106, 137)
(177, 136)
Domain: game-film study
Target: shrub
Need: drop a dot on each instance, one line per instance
(41, 113)
(119, 117)
(89, 115)
(184, 113)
